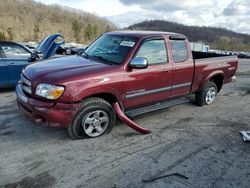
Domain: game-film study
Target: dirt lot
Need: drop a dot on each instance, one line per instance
(201, 144)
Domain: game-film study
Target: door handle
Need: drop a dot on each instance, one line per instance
(12, 63)
(166, 70)
(177, 68)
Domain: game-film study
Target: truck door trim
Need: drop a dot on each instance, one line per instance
(149, 92)
(154, 91)
(188, 84)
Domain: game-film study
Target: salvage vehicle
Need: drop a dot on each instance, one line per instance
(15, 56)
(124, 74)
(69, 50)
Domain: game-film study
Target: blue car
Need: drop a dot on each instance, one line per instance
(14, 57)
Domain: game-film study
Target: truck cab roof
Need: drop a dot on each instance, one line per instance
(142, 34)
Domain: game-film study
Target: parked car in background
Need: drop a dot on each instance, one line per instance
(32, 47)
(15, 56)
(243, 55)
(69, 50)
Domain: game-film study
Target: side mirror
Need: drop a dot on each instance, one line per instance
(139, 63)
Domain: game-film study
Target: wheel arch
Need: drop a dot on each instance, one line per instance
(109, 97)
(218, 79)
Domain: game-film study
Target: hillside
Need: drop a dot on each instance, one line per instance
(218, 38)
(26, 20)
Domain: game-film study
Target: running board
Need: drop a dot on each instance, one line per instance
(154, 107)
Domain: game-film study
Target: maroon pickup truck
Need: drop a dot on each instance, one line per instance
(122, 74)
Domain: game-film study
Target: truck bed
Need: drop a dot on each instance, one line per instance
(203, 55)
(207, 63)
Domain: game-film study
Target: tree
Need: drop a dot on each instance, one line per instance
(36, 31)
(10, 34)
(95, 31)
(108, 28)
(76, 28)
(23, 15)
(89, 32)
(2, 36)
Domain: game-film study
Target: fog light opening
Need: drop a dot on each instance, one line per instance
(40, 120)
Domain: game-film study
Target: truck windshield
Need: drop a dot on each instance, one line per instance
(111, 48)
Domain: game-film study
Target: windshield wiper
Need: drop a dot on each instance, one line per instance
(104, 60)
(83, 54)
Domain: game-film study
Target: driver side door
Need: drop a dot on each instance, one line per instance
(145, 86)
(4, 73)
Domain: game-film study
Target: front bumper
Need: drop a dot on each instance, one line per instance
(50, 114)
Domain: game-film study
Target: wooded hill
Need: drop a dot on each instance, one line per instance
(218, 38)
(26, 20)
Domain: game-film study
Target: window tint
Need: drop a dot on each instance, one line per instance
(179, 50)
(154, 51)
(14, 51)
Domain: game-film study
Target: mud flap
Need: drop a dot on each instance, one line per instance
(128, 121)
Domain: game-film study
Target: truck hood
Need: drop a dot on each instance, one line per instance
(64, 69)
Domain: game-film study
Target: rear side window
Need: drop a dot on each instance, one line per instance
(179, 50)
(154, 51)
(14, 51)
(1, 52)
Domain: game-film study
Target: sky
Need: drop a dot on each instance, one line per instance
(230, 14)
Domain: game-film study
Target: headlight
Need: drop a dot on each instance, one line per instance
(49, 91)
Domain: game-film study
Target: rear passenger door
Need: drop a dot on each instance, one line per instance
(183, 67)
(4, 74)
(16, 57)
(144, 86)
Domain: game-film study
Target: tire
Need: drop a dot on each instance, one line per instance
(94, 118)
(207, 95)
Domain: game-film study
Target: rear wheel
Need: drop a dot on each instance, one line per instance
(207, 95)
(95, 118)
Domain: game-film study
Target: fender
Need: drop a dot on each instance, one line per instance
(211, 75)
(81, 90)
(96, 91)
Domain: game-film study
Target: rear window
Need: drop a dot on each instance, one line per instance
(179, 50)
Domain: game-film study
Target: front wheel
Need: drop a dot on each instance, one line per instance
(95, 118)
(207, 95)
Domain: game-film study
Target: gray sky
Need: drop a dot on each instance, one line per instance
(231, 14)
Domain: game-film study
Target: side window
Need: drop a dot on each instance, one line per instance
(179, 50)
(14, 51)
(154, 51)
(1, 52)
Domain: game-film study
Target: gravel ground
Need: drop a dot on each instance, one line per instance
(189, 146)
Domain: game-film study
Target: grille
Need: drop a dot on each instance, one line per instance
(26, 84)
